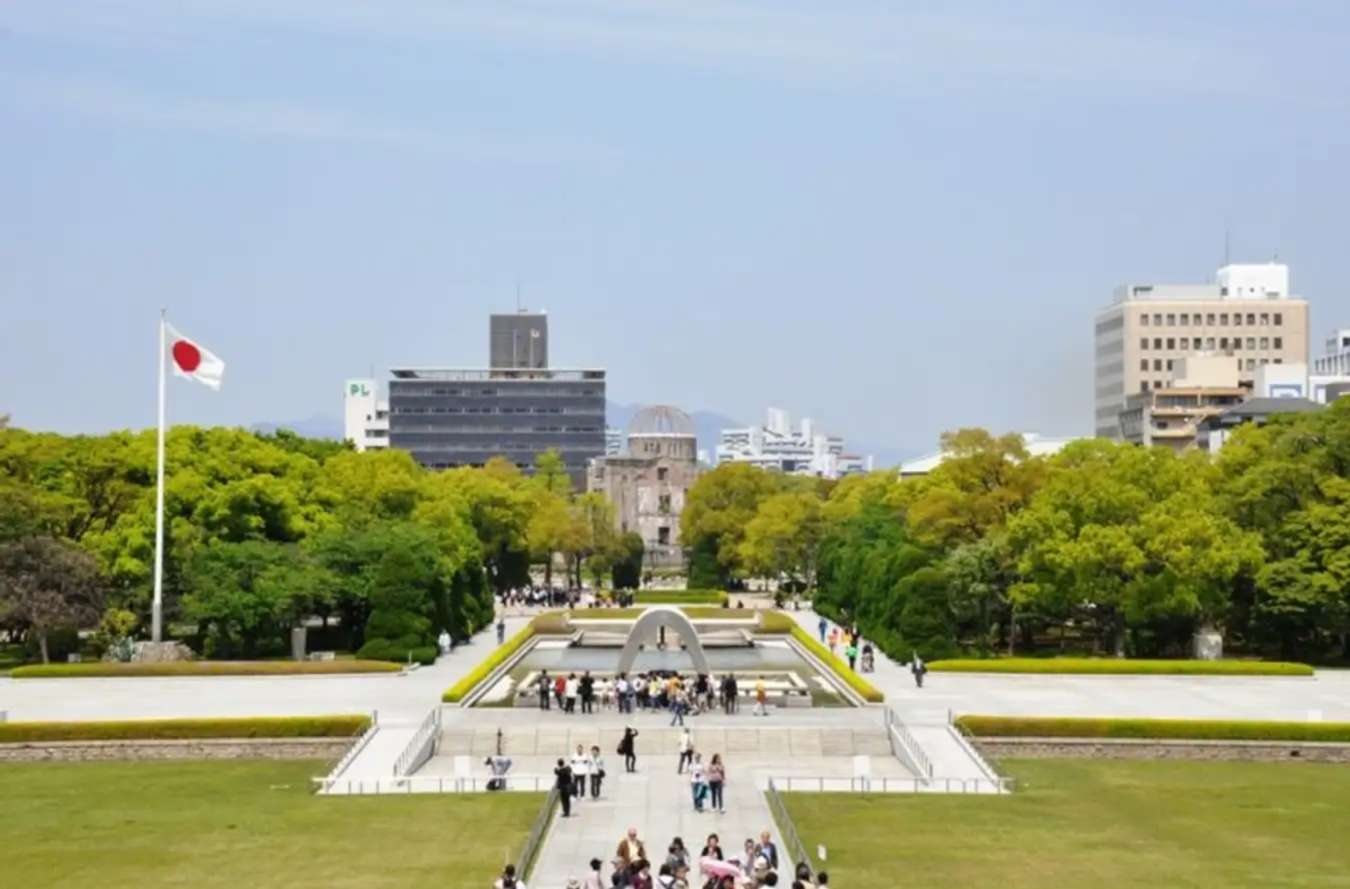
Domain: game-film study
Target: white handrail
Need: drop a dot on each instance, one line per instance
(422, 745)
(839, 784)
(409, 784)
(903, 741)
(356, 748)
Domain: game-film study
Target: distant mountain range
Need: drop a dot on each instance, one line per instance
(707, 425)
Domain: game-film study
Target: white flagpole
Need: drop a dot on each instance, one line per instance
(157, 613)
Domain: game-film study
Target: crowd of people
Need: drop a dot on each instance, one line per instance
(756, 864)
(653, 691)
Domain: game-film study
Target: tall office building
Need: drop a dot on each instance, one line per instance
(1246, 314)
(518, 340)
(517, 408)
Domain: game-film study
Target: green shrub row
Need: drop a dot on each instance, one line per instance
(1120, 666)
(173, 729)
(461, 689)
(776, 623)
(1158, 729)
(386, 650)
(694, 612)
(201, 668)
(868, 691)
(681, 597)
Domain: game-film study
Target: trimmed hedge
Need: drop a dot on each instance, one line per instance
(177, 729)
(1153, 729)
(385, 650)
(776, 623)
(693, 612)
(869, 692)
(201, 668)
(1120, 666)
(681, 597)
(457, 692)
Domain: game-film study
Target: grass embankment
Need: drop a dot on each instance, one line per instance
(680, 597)
(202, 668)
(345, 726)
(693, 612)
(1156, 729)
(869, 692)
(1080, 824)
(457, 692)
(1119, 666)
(231, 824)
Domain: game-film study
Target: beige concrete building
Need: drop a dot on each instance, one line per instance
(1171, 416)
(648, 481)
(1247, 314)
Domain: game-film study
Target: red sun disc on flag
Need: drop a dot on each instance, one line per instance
(186, 356)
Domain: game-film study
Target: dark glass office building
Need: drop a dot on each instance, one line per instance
(449, 417)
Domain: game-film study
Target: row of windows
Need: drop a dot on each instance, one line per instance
(1158, 365)
(552, 391)
(1209, 342)
(1194, 319)
(490, 410)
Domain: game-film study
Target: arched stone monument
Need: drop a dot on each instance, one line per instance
(650, 624)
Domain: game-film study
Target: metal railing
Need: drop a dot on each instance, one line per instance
(422, 747)
(980, 762)
(835, 784)
(786, 828)
(535, 840)
(906, 748)
(356, 748)
(410, 784)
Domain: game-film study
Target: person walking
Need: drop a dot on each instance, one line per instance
(919, 669)
(712, 847)
(717, 776)
(698, 782)
(834, 639)
(676, 708)
(570, 690)
(581, 767)
(545, 687)
(562, 779)
(733, 694)
(628, 749)
(621, 692)
(823, 626)
(586, 689)
(501, 629)
(686, 751)
(767, 850)
(852, 654)
(596, 770)
(508, 879)
(761, 698)
(593, 878)
(560, 691)
(677, 856)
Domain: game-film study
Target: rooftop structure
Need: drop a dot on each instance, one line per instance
(777, 446)
(1214, 430)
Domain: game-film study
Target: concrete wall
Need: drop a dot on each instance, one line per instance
(1129, 748)
(206, 748)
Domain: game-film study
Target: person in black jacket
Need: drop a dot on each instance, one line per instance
(563, 781)
(586, 688)
(628, 749)
(545, 689)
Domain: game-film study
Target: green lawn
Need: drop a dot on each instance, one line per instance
(245, 823)
(1119, 666)
(1079, 824)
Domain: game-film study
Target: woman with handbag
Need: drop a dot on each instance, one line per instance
(628, 749)
(597, 771)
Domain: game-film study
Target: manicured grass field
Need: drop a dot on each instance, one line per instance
(203, 668)
(227, 825)
(1083, 824)
(1185, 729)
(1119, 666)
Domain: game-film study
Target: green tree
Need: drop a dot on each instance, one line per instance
(550, 474)
(718, 508)
(627, 571)
(47, 584)
(784, 537)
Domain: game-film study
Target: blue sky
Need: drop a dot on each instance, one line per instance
(895, 217)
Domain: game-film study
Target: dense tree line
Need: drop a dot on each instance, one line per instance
(1103, 547)
(263, 531)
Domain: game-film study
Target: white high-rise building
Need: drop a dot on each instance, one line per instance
(777, 446)
(1247, 314)
(365, 419)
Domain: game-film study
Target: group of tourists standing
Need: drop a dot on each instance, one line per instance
(652, 692)
(706, 780)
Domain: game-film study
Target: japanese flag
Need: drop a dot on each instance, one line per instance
(190, 359)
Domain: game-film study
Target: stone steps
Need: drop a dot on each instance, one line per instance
(765, 740)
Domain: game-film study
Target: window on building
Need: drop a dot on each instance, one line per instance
(662, 472)
(1251, 364)
(1251, 342)
(1169, 364)
(1223, 319)
(663, 504)
(1209, 319)
(1157, 319)
(1223, 342)
(663, 535)
(1265, 342)
(1143, 385)
(1185, 319)
(1143, 364)
(1251, 318)
(1265, 361)
(1279, 361)
(1143, 343)
(1157, 384)
(1157, 342)
(1279, 319)
(1157, 364)
(1265, 318)
(1237, 320)
(1171, 342)
(1171, 320)
(1279, 342)
(1143, 320)
(1209, 343)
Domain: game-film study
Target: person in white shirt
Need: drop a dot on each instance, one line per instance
(621, 693)
(581, 767)
(508, 879)
(698, 782)
(570, 693)
(686, 751)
